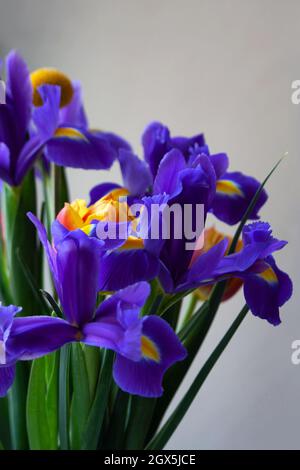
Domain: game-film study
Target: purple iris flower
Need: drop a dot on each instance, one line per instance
(61, 134)
(145, 346)
(234, 190)
(266, 287)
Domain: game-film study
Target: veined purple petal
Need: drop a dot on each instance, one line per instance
(78, 270)
(46, 117)
(161, 348)
(266, 291)
(120, 269)
(136, 174)
(19, 92)
(220, 163)
(32, 337)
(167, 179)
(73, 114)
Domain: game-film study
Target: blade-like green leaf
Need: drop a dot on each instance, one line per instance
(4, 423)
(162, 437)
(64, 396)
(17, 407)
(94, 423)
(81, 398)
(21, 241)
(42, 404)
(115, 435)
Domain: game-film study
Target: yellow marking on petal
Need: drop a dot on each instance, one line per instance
(229, 188)
(133, 243)
(269, 276)
(149, 349)
(70, 133)
(49, 76)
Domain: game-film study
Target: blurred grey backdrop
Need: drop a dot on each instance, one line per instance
(224, 67)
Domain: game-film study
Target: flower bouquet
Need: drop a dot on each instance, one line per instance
(93, 357)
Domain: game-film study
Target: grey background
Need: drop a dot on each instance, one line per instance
(224, 67)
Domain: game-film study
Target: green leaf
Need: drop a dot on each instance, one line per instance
(42, 404)
(21, 241)
(17, 407)
(92, 432)
(139, 421)
(81, 398)
(64, 396)
(4, 423)
(115, 435)
(162, 437)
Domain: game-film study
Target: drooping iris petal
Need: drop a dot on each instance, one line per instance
(267, 290)
(116, 141)
(120, 269)
(32, 337)
(7, 376)
(78, 148)
(136, 173)
(160, 349)
(234, 194)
